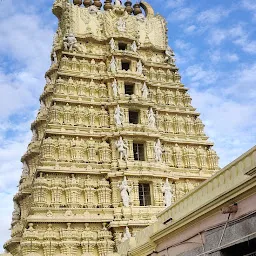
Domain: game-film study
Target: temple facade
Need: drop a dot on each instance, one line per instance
(116, 139)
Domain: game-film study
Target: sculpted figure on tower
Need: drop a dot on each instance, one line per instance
(122, 149)
(125, 192)
(167, 191)
(70, 42)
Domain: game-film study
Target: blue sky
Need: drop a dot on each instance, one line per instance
(215, 46)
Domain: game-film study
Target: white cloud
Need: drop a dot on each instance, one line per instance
(181, 14)
(229, 112)
(24, 49)
(175, 3)
(212, 16)
(199, 76)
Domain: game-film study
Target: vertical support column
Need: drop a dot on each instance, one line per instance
(115, 191)
(130, 150)
(135, 194)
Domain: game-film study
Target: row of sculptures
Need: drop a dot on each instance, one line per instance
(70, 44)
(100, 117)
(90, 150)
(83, 66)
(92, 89)
(176, 155)
(77, 192)
(68, 240)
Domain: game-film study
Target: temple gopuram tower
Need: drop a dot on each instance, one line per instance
(116, 139)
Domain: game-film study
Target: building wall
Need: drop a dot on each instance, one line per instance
(207, 232)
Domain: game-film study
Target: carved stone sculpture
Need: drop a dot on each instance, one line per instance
(112, 44)
(121, 24)
(139, 67)
(151, 118)
(158, 151)
(125, 192)
(118, 116)
(115, 88)
(134, 46)
(145, 91)
(167, 191)
(113, 65)
(70, 42)
(126, 234)
(122, 149)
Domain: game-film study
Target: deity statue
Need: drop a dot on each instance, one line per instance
(112, 44)
(134, 46)
(144, 91)
(178, 98)
(158, 151)
(201, 157)
(125, 192)
(118, 116)
(115, 88)
(189, 125)
(187, 100)
(169, 55)
(126, 234)
(139, 67)
(63, 148)
(178, 124)
(122, 148)
(169, 98)
(168, 125)
(199, 126)
(113, 65)
(91, 116)
(151, 118)
(67, 114)
(78, 115)
(103, 117)
(70, 42)
(102, 90)
(121, 25)
(55, 114)
(77, 149)
(159, 95)
(167, 190)
(177, 155)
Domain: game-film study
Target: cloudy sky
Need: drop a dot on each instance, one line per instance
(215, 46)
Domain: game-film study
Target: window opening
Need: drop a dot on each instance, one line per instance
(129, 89)
(144, 194)
(125, 65)
(122, 46)
(133, 117)
(138, 152)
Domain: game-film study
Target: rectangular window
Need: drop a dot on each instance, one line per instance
(125, 65)
(129, 89)
(133, 117)
(122, 46)
(138, 152)
(144, 194)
